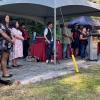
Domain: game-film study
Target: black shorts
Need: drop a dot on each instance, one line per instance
(2, 51)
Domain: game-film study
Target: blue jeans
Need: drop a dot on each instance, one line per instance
(64, 50)
(82, 50)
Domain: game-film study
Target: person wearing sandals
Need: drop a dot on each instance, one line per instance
(18, 46)
(6, 42)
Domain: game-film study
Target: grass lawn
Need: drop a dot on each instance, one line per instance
(82, 86)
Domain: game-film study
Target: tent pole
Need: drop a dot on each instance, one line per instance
(55, 35)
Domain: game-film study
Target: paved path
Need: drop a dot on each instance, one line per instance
(34, 72)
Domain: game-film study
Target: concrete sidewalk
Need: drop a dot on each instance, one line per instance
(34, 72)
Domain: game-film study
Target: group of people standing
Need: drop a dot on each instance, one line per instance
(11, 44)
(13, 38)
(75, 41)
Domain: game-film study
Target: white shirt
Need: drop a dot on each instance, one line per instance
(46, 32)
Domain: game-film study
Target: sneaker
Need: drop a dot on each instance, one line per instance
(52, 61)
(47, 61)
(9, 67)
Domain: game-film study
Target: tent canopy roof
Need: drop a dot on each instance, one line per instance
(44, 8)
(44, 11)
(53, 3)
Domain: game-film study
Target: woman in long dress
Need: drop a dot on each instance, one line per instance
(18, 46)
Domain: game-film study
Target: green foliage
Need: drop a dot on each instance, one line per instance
(95, 1)
(31, 25)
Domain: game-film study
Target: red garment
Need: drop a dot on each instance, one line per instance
(38, 49)
(26, 35)
(59, 51)
(98, 47)
(75, 35)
